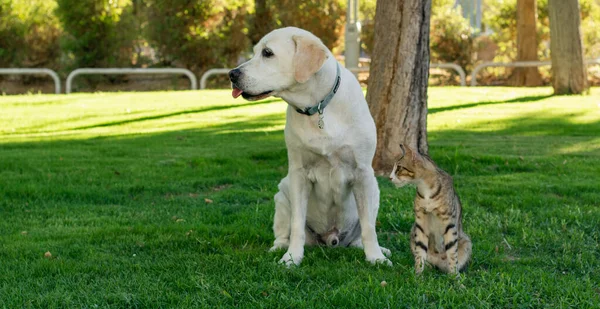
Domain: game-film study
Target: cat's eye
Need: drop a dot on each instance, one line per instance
(399, 171)
(402, 171)
(267, 53)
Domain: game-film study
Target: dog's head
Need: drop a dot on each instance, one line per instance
(282, 59)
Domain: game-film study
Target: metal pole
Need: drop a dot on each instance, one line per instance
(352, 44)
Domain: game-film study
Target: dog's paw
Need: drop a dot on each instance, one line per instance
(290, 259)
(381, 260)
(280, 244)
(277, 247)
(386, 252)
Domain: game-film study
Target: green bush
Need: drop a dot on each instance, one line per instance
(29, 34)
(100, 33)
(197, 34)
(11, 34)
(451, 36)
(324, 18)
(367, 20)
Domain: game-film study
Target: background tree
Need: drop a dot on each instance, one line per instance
(566, 49)
(397, 92)
(262, 21)
(526, 44)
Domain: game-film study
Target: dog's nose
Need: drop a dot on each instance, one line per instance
(234, 75)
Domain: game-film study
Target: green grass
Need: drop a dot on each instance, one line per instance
(118, 187)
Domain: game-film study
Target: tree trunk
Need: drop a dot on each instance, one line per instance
(397, 92)
(262, 22)
(526, 45)
(569, 74)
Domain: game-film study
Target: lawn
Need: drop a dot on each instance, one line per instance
(165, 200)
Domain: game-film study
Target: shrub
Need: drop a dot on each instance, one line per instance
(101, 33)
(367, 20)
(29, 34)
(451, 36)
(197, 34)
(11, 34)
(325, 18)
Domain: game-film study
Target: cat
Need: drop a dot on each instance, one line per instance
(437, 236)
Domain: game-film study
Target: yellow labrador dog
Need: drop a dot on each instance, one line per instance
(330, 195)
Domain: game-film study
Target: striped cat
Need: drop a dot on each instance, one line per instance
(437, 235)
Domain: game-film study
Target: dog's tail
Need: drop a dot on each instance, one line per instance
(440, 260)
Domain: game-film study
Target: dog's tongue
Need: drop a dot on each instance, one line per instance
(236, 92)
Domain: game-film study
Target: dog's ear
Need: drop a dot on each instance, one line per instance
(309, 57)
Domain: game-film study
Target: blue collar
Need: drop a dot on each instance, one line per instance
(309, 111)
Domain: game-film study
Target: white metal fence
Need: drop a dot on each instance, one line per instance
(456, 67)
(210, 73)
(188, 73)
(21, 71)
(517, 64)
(204, 78)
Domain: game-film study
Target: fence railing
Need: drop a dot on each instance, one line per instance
(188, 73)
(456, 67)
(517, 64)
(211, 72)
(453, 66)
(22, 71)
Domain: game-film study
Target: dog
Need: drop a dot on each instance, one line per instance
(330, 194)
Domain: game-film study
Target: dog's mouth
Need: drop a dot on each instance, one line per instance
(248, 96)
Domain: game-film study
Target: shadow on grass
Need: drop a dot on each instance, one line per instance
(525, 99)
(185, 112)
(534, 128)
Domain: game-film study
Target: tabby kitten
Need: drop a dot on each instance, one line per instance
(437, 235)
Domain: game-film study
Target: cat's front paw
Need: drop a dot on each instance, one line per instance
(419, 265)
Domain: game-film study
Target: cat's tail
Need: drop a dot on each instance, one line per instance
(440, 260)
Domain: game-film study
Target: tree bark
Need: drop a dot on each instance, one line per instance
(569, 74)
(397, 92)
(526, 45)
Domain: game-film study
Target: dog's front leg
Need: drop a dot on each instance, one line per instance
(366, 193)
(300, 188)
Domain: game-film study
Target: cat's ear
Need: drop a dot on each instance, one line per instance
(412, 154)
(402, 151)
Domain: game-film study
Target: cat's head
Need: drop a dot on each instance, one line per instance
(409, 166)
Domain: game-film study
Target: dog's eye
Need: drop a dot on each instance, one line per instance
(267, 53)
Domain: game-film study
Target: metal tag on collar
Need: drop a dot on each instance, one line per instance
(321, 123)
